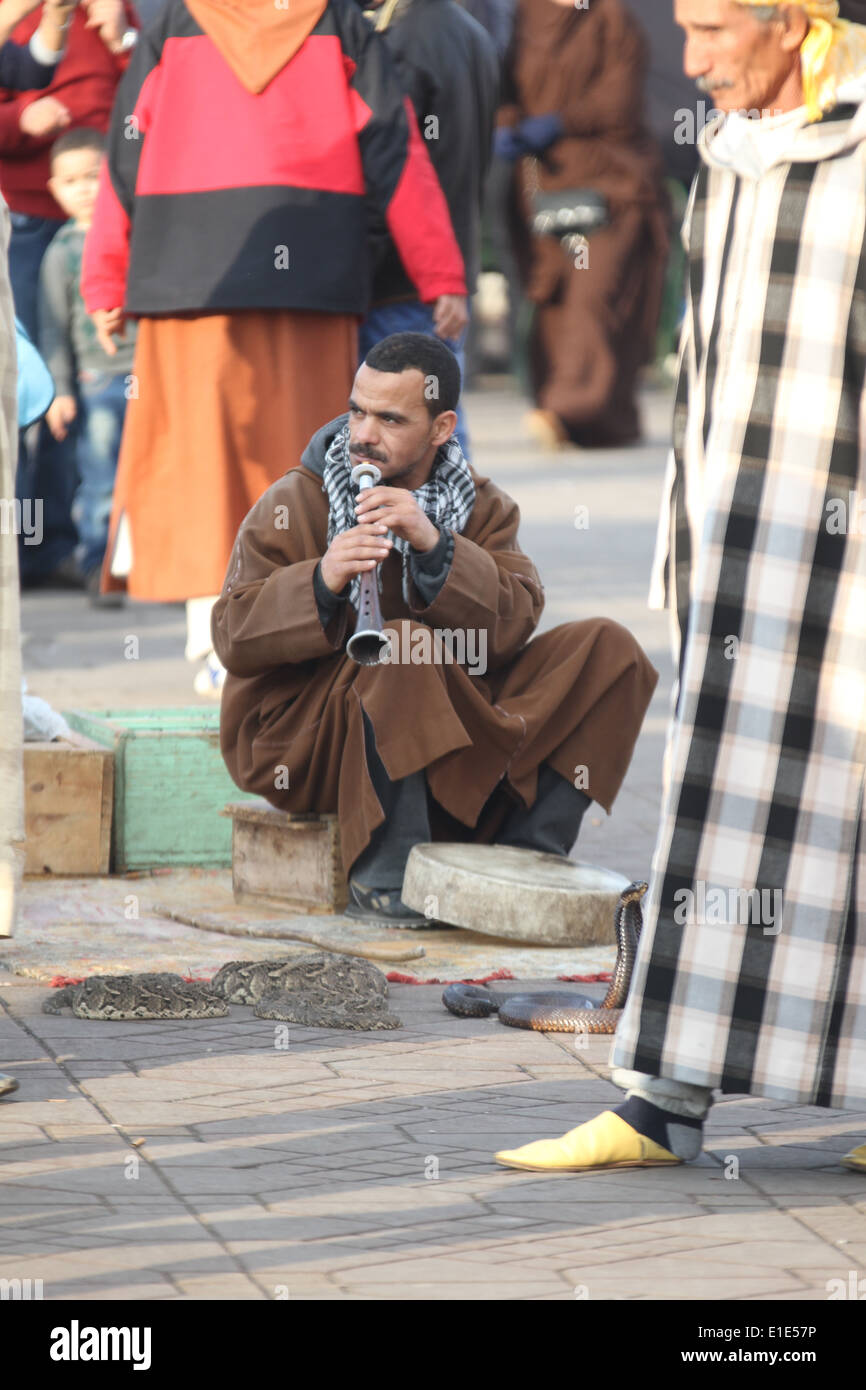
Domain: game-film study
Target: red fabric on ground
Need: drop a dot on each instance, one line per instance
(396, 977)
(60, 981)
(603, 978)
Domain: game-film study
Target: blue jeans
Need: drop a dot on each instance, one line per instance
(29, 240)
(97, 431)
(46, 468)
(412, 317)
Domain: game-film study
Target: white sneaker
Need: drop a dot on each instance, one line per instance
(209, 681)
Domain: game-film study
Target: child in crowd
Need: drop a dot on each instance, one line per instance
(92, 388)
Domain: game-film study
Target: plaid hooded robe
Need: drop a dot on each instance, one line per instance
(762, 560)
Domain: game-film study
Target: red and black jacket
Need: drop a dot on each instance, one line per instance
(214, 199)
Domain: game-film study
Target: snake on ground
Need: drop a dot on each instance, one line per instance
(556, 1011)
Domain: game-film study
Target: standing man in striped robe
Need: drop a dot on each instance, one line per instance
(751, 975)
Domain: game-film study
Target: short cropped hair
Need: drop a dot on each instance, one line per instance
(82, 137)
(765, 14)
(402, 351)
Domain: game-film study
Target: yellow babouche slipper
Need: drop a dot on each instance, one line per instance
(605, 1142)
(856, 1159)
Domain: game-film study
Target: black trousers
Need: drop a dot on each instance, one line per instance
(551, 824)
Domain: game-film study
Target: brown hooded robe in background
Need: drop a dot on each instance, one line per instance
(574, 697)
(594, 327)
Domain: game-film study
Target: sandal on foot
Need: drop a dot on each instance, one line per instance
(382, 906)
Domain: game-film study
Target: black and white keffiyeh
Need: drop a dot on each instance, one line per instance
(447, 497)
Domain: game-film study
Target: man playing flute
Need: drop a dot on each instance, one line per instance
(509, 747)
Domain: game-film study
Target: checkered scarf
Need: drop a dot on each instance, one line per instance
(447, 497)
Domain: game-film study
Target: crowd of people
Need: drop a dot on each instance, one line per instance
(353, 171)
(56, 466)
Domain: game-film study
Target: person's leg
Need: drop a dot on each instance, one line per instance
(590, 337)
(29, 239)
(552, 823)
(383, 862)
(376, 877)
(458, 347)
(102, 406)
(659, 1123)
(380, 322)
(198, 637)
(210, 678)
(46, 467)
(670, 1112)
(498, 194)
(47, 479)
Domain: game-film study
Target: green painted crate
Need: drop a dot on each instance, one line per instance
(170, 785)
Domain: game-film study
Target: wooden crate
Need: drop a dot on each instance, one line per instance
(170, 784)
(68, 801)
(289, 860)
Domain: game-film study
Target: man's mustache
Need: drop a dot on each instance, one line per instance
(707, 84)
(367, 454)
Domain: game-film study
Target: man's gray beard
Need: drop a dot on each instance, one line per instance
(705, 89)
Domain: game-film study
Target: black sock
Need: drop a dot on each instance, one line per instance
(679, 1134)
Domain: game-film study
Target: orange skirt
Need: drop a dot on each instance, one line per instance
(226, 404)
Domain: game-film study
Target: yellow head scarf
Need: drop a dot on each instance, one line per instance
(833, 51)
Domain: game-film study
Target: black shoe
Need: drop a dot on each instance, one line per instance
(8, 1084)
(115, 598)
(382, 906)
(67, 575)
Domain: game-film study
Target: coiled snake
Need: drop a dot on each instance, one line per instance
(556, 1011)
(324, 990)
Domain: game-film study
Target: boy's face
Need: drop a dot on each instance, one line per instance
(74, 182)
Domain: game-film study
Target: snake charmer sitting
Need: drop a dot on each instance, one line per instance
(470, 731)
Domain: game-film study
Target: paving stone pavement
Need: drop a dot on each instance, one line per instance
(206, 1159)
(237, 1159)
